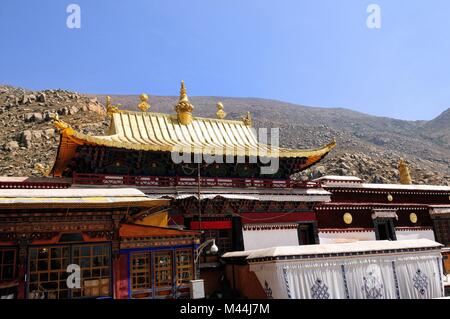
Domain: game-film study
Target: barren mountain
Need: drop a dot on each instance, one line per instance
(367, 146)
(438, 130)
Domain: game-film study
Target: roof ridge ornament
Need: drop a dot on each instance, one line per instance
(59, 124)
(247, 119)
(184, 108)
(111, 109)
(144, 105)
(221, 114)
(43, 169)
(403, 169)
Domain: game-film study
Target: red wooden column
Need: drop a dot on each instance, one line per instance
(22, 241)
(120, 275)
(117, 272)
(22, 283)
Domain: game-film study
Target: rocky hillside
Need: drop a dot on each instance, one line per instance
(27, 136)
(438, 130)
(368, 146)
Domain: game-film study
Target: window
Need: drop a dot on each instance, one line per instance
(184, 266)
(384, 229)
(48, 271)
(146, 276)
(7, 264)
(141, 277)
(163, 269)
(94, 261)
(306, 233)
(442, 227)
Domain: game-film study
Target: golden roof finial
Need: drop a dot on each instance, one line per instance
(184, 108)
(60, 125)
(183, 94)
(220, 112)
(111, 109)
(44, 170)
(405, 177)
(247, 119)
(144, 105)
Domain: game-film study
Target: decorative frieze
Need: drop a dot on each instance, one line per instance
(256, 227)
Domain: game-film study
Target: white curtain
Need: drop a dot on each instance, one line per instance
(420, 277)
(313, 280)
(379, 277)
(371, 278)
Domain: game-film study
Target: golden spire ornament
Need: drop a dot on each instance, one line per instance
(111, 109)
(184, 108)
(220, 112)
(405, 177)
(144, 105)
(247, 119)
(41, 169)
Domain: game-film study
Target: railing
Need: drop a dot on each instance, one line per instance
(33, 185)
(175, 181)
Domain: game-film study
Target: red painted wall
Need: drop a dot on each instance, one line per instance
(216, 224)
(254, 218)
(362, 218)
(245, 281)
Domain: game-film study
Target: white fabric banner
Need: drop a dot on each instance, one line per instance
(308, 280)
(420, 277)
(366, 277)
(371, 278)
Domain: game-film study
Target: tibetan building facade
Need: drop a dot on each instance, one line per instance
(109, 233)
(365, 211)
(217, 174)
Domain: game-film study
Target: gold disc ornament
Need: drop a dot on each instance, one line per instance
(413, 218)
(348, 218)
(390, 197)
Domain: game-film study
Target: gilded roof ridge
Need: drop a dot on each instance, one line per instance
(117, 140)
(246, 151)
(174, 116)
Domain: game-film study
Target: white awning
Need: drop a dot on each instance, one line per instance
(440, 211)
(384, 213)
(85, 197)
(354, 247)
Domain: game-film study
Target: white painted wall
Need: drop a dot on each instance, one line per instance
(258, 239)
(414, 234)
(332, 238)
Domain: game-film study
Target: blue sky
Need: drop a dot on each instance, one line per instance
(310, 52)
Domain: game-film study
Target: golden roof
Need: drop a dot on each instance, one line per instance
(148, 131)
(163, 132)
